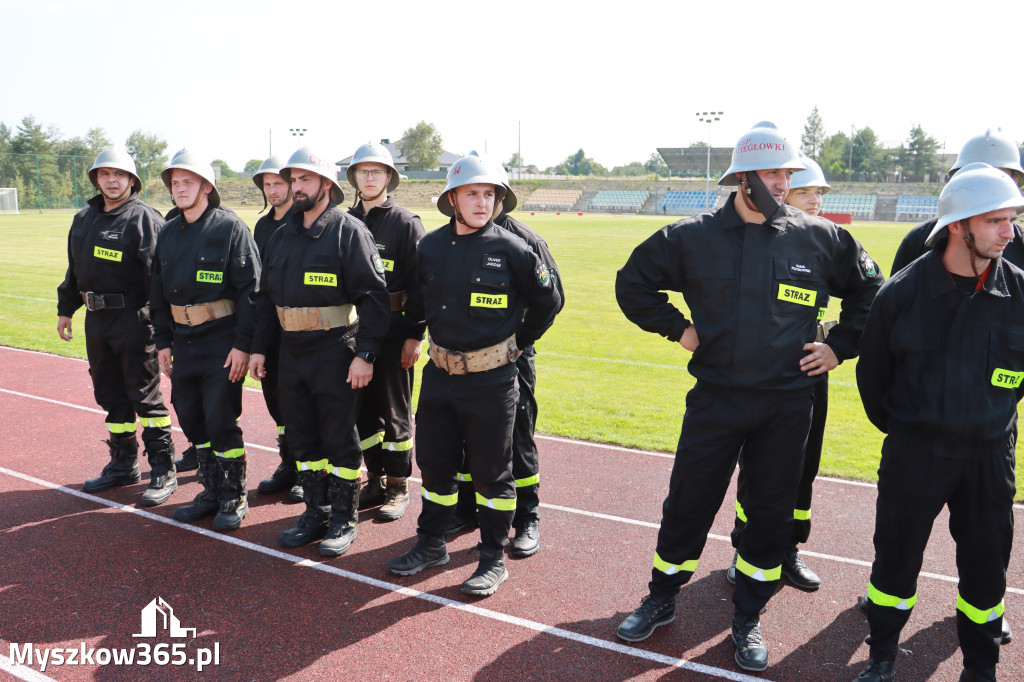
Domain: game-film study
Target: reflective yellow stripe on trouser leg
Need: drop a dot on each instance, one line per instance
(155, 422)
(397, 446)
(671, 569)
(876, 596)
(753, 572)
(979, 616)
(370, 441)
(437, 498)
(499, 503)
(121, 429)
(739, 512)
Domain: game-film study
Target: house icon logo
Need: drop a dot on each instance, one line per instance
(158, 615)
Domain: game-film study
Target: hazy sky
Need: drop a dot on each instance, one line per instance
(225, 75)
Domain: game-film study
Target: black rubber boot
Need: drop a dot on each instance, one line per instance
(312, 524)
(189, 459)
(163, 480)
(655, 610)
(489, 575)
(429, 551)
(234, 502)
(797, 572)
(372, 494)
(527, 539)
(284, 476)
(342, 531)
(751, 652)
(879, 670)
(123, 467)
(206, 502)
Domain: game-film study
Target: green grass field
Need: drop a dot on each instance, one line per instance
(600, 377)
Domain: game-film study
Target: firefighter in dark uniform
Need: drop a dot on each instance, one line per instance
(486, 294)
(385, 416)
(755, 274)
(941, 372)
(110, 254)
(320, 267)
(204, 280)
(278, 193)
(525, 458)
(805, 193)
(998, 150)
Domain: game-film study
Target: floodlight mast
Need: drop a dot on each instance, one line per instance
(708, 117)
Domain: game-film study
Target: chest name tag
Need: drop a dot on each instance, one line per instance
(488, 300)
(107, 254)
(321, 279)
(389, 265)
(1004, 378)
(209, 276)
(797, 295)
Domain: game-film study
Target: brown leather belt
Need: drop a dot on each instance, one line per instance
(457, 362)
(94, 301)
(398, 300)
(316, 319)
(200, 313)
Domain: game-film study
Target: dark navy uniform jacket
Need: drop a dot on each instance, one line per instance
(754, 291)
(912, 247)
(540, 247)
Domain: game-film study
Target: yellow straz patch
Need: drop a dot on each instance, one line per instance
(389, 265)
(797, 295)
(107, 254)
(209, 276)
(488, 300)
(321, 279)
(1004, 378)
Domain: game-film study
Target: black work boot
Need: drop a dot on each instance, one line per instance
(372, 494)
(429, 551)
(284, 476)
(234, 502)
(342, 531)
(978, 675)
(797, 572)
(312, 523)
(527, 539)
(730, 574)
(655, 610)
(489, 573)
(162, 479)
(123, 467)
(206, 502)
(396, 499)
(879, 670)
(1007, 634)
(751, 652)
(189, 459)
(465, 510)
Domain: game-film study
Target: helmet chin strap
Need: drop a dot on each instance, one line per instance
(362, 197)
(756, 196)
(199, 195)
(968, 238)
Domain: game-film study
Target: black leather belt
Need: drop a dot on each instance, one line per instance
(94, 301)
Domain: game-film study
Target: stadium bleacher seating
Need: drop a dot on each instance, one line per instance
(619, 200)
(859, 205)
(687, 202)
(916, 207)
(552, 199)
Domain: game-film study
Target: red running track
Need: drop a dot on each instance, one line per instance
(77, 570)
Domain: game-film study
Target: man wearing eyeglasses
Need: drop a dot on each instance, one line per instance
(385, 416)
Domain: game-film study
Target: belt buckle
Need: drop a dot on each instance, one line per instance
(94, 301)
(188, 320)
(454, 358)
(513, 351)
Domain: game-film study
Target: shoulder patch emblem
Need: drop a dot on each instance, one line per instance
(378, 264)
(543, 276)
(867, 265)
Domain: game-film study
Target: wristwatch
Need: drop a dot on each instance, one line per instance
(368, 357)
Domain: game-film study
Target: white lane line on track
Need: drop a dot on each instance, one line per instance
(29, 298)
(581, 512)
(394, 587)
(22, 672)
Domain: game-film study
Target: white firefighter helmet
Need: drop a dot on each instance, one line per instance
(307, 158)
(272, 165)
(976, 189)
(119, 159)
(373, 152)
(993, 148)
(761, 148)
(470, 170)
(186, 159)
(812, 176)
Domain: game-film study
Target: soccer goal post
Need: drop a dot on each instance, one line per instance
(8, 200)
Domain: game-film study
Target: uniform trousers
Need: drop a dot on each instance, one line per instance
(270, 382)
(125, 372)
(812, 461)
(320, 406)
(385, 417)
(771, 428)
(207, 403)
(913, 486)
(475, 411)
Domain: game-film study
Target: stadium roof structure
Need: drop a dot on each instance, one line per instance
(445, 162)
(690, 160)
